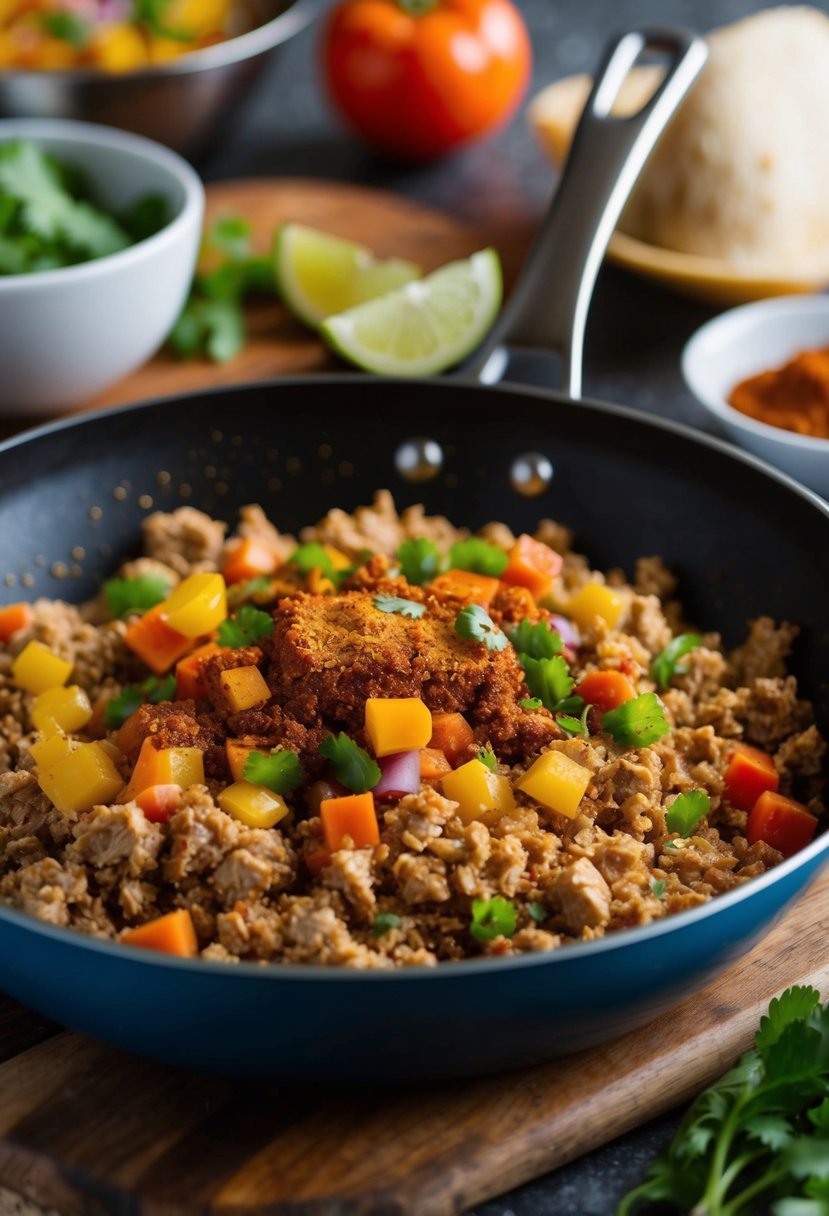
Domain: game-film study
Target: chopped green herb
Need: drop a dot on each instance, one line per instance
(280, 771)
(352, 766)
(686, 811)
(476, 625)
(154, 689)
(419, 560)
(394, 603)
(637, 723)
(68, 27)
(532, 703)
(537, 911)
(126, 595)
(658, 888)
(479, 556)
(539, 641)
(757, 1140)
(248, 626)
(215, 327)
(153, 14)
(492, 918)
(384, 921)
(159, 688)
(548, 679)
(308, 558)
(574, 726)
(667, 664)
(261, 585)
(487, 758)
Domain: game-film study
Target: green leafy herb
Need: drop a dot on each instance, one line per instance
(757, 1139)
(308, 558)
(419, 560)
(154, 689)
(658, 888)
(539, 641)
(532, 703)
(479, 556)
(352, 766)
(487, 758)
(637, 723)
(126, 595)
(260, 585)
(574, 726)
(476, 625)
(248, 626)
(215, 327)
(68, 27)
(394, 603)
(537, 911)
(153, 15)
(549, 680)
(384, 921)
(492, 918)
(686, 811)
(281, 771)
(667, 664)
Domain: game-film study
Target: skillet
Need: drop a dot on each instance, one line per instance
(743, 539)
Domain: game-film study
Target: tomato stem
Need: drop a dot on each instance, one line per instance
(418, 8)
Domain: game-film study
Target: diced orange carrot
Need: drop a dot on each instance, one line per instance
(182, 766)
(452, 735)
(781, 822)
(171, 934)
(316, 858)
(189, 673)
(238, 750)
(433, 764)
(466, 585)
(605, 689)
(248, 558)
(748, 774)
(14, 617)
(155, 643)
(354, 816)
(158, 802)
(131, 733)
(532, 564)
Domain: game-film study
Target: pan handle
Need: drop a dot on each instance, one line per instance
(549, 306)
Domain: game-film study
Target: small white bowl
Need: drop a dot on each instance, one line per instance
(755, 338)
(67, 334)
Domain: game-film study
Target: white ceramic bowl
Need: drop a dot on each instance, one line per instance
(67, 334)
(751, 339)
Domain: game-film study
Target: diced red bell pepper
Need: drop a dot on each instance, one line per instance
(748, 774)
(781, 822)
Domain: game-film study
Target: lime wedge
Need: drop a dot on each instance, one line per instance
(318, 274)
(427, 325)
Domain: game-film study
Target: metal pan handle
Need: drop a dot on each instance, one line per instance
(549, 306)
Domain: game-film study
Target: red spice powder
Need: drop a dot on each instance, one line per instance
(794, 397)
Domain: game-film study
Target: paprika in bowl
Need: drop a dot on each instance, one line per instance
(786, 337)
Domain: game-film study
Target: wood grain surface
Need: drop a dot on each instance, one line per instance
(87, 1130)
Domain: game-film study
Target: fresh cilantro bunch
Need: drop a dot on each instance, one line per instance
(212, 321)
(758, 1139)
(49, 219)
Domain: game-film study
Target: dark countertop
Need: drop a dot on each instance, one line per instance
(634, 338)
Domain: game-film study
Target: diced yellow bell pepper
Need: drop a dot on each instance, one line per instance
(197, 606)
(339, 560)
(75, 776)
(244, 688)
(557, 782)
(118, 48)
(479, 793)
(61, 709)
(253, 805)
(37, 668)
(198, 18)
(182, 766)
(592, 600)
(397, 724)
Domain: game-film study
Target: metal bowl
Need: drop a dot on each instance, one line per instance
(177, 103)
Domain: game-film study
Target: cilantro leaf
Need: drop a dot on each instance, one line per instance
(537, 911)
(531, 703)
(476, 625)
(352, 766)
(793, 1005)
(487, 759)
(686, 811)
(492, 918)
(637, 723)
(394, 603)
(159, 688)
(658, 887)
(125, 595)
(548, 679)
(479, 556)
(539, 641)
(154, 689)
(68, 27)
(419, 560)
(230, 235)
(384, 921)
(281, 771)
(308, 558)
(248, 626)
(667, 664)
(574, 726)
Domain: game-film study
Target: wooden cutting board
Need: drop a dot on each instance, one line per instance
(88, 1130)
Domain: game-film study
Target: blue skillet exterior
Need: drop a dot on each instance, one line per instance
(744, 540)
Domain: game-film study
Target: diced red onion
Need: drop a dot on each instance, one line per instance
(568, 632)
(400, 774)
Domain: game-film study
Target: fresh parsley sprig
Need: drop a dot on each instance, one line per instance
(667, 663)
(637, 723)
(351, 765)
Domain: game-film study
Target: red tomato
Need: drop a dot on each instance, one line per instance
(417, 77)
(781, 822)
(748, 774)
